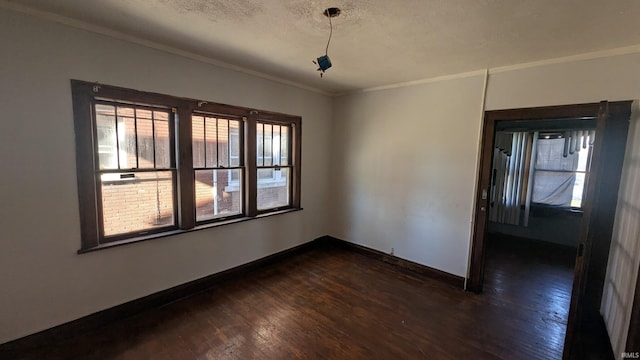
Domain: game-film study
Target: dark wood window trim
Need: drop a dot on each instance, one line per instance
(223, 222)
(85, 94)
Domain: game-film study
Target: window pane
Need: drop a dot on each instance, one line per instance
(266, 174)
(550, 156)
(553, 188)
(218, 193)
(134, 202)
(556, 180)
(223, 143)
(578, 190)
(260, 143)
(276, 145)
(234, 139)
(197, 136)
(143, 114)
(145, 144)
(126, 111)
(211, 146)
(268, 144)
(284, 146)
(163, 146)
(273, 188)
(127, 142)
(106, 131)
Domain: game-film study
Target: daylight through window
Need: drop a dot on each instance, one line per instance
(150, 164)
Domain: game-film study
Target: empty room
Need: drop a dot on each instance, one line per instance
(216, 179)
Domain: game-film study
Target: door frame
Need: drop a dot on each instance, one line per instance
(599, 212)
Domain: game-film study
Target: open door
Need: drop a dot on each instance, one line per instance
(599, 207)
(597, 226)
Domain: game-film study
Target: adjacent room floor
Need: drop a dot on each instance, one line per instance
(330, 303)
(536, 279)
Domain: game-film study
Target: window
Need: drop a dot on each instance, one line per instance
(561, 168)
(151, 164)
(217, 166)
(136, 169)
(274, 185)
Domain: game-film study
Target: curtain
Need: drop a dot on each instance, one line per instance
(528, 168)
(554, 173)
(509, 177)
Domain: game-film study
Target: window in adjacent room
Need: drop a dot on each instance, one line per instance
(561, 168)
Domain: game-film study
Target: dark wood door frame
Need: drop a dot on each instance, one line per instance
(612, 127)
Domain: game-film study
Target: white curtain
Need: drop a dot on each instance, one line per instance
(554, 173)
(509, 162)
(529, 169)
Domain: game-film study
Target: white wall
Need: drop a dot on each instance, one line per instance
(609, 78)
(43, 281)
(405, 163)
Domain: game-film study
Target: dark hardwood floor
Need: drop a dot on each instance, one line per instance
(331, 303)
(532, 281)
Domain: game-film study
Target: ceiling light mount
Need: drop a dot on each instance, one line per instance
(332, 12)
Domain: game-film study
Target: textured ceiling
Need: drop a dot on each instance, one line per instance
(375, 42)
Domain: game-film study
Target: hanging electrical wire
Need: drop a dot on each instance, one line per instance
(323, 61)
(326, 51)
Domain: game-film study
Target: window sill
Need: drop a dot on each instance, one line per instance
(137, 239)
(550, 210)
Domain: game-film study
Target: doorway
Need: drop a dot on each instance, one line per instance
(610, 123)
(538, 177)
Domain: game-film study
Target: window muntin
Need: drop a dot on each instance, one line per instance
(218, 166)
(134, 169)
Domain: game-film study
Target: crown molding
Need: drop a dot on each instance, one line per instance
(425, 81)
(628, 50)
(634, 49)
